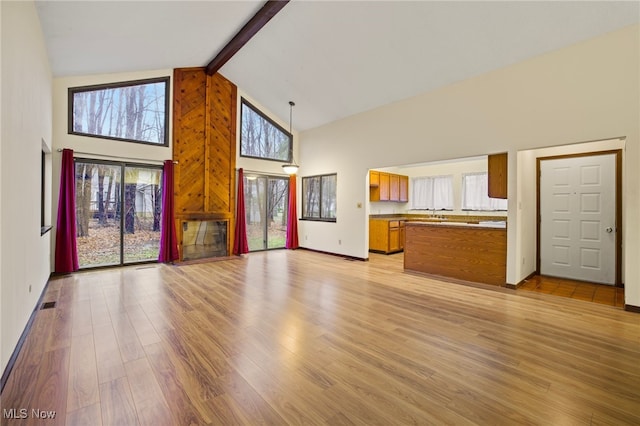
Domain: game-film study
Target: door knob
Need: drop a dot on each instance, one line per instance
(609, 230)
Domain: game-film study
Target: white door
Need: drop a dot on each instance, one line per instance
(577, 224)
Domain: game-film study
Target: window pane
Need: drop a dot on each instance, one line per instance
(278, 201)
(98, 209)
(254, 206)
(319, 197)
(265, 205)
(311, 197)
(132, 111)
(329, 197)
(142, 206)
(260, 137)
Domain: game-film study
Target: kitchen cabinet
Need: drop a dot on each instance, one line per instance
(404, 189)
(386, 236)
(384, 186)
(374, 179)
(394, 187)
(469, 252)
(497, 175)
(388, 187)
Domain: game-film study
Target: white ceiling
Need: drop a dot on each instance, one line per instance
(333, 58)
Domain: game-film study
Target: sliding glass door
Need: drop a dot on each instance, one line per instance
(118, 210)
(265, 200)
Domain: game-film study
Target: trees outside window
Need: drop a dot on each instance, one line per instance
(319, 197)
(266, 200)
(261, 137)
(118, 209)
(134, 111)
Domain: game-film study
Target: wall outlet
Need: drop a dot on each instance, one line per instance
(523, 260)
(29, 288)
(339, 242)
(306, 237)
(359, 205)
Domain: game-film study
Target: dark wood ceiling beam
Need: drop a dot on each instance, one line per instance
(259, 20)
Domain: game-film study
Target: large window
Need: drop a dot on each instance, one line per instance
(118, 209)
(134, 111)
(475, 193)
(432, 193)
(319, 197)
(261, 137)
(265, 202)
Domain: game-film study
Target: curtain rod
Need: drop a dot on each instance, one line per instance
(261, 172)
(117, 157)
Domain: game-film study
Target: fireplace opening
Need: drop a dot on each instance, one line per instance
(204, 238)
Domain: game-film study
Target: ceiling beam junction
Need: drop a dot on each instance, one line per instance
(259, 20)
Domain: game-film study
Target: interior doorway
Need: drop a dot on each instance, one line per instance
(579, 215)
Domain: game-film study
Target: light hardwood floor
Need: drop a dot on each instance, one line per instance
(296, 337)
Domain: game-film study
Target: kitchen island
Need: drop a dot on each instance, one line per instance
(475, 252)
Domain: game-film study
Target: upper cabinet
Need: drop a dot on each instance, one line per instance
(498, 176)
(388, 187)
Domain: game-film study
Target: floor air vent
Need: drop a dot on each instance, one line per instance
(48, 305)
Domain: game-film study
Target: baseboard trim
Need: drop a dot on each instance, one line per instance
(515, 286)
(632, 308)
(16, 351)
(363, 259)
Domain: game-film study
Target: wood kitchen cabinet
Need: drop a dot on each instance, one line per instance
(388, 187)
(384, 186)
(394, 187)
(497, 175)
(404, 189)
(374, 178)
(386, 236)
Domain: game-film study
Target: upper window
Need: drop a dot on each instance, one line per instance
(319, 197)
(432, 193)
(133, 111)
(475, 193)
(261, 137)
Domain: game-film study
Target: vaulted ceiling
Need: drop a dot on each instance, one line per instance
(333, 58)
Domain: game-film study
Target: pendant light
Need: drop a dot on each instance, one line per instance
(292, 167)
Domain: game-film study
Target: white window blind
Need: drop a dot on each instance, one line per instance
(432, 193)
(475, 190)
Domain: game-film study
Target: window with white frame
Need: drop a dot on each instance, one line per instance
(475, 193)
(432, 193)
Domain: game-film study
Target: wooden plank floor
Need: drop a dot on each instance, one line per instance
(296, 337)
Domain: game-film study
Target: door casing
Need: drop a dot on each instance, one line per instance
(618, 207)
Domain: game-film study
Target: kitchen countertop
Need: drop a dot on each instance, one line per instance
(487, 221)
(459, 224)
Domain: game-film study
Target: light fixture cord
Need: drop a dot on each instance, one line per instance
(291, 105)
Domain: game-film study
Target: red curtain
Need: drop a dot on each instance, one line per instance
(292, 216)
(168, 240)
(66, 254)
(240, 244)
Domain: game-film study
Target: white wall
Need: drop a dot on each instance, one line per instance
(25, 124)
(589, 91)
